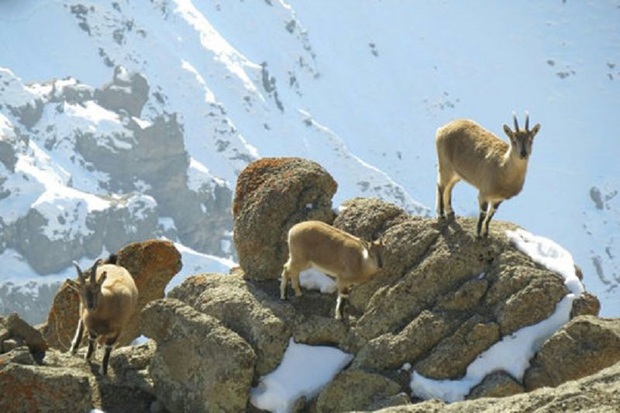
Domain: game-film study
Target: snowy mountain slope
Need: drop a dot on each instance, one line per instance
(361, 90)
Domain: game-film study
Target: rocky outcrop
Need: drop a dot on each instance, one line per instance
(199, 365)
(14, 331)
(442, 300)
(63, 383)
(138, 173)
(243, 307)
(599, 393)
(127, 92)
(582, 347)
(152, 264)
(271, 196)
(31, 388)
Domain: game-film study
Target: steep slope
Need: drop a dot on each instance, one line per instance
(361, 90)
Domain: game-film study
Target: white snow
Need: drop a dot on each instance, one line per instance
(301, 79)
(313, 279)
(513, 353)
(549, 254)
(304, 370)
(195, 262)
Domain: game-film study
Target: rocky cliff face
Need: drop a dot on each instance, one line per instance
(140, 182)
(444, 299)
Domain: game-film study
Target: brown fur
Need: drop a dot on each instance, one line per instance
(466, 151)
(115, 298)
(346, 258)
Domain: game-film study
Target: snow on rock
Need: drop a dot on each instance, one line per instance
(550, 255)
(304, 370)
(514, 352)
(313, 279)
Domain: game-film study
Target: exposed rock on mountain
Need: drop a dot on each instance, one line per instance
(582, 347)
(139, 166)
(598, 393)
(444, 299)
(271, 196)
(245, 308)
(151, 263)
(199, 365)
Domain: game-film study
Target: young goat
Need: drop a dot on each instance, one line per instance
(469, 152)
(108, 298)
(348, 259)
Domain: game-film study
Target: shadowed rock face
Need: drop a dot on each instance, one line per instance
(144, 167)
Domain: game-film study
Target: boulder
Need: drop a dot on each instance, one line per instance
(62, 318)
(30, 388)
(497, 384)
(598, 393)
(582, 347)
(152, 264)
(355, 390)
(127, 92)
(32, 337)
(273, 194)
(261, 319)
(587, 304)
(199, 365)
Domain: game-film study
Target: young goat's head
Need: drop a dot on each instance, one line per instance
(375, 250)
(521, 139)
(88, 286)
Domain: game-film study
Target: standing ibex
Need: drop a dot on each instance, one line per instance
(469, 152)
(108, 298)
(348, 259)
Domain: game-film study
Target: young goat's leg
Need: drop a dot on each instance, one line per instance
(77, 339)
(441, 213)
(484, 205)
(447, 198)
(343, 295)
(295, 282)
(284, 282)
(109, 344)
(489, 216)
(92, 338)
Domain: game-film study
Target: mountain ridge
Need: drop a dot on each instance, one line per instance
(306, 81)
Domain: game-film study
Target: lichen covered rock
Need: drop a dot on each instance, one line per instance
(272, 195)
(199, 365)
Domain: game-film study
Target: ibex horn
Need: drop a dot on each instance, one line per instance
(514, 117)
(93, 271)
(79, 271)
(527, 121)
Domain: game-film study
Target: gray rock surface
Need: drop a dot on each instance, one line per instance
(199, 365)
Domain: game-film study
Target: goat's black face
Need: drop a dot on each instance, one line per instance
(90, 299)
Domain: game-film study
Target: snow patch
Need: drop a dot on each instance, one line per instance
(512, 353)
(304, 370)
(313, 279)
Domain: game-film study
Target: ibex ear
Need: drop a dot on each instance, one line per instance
(72, 284)
(535, 130)
(103, 277)
(508, 132)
